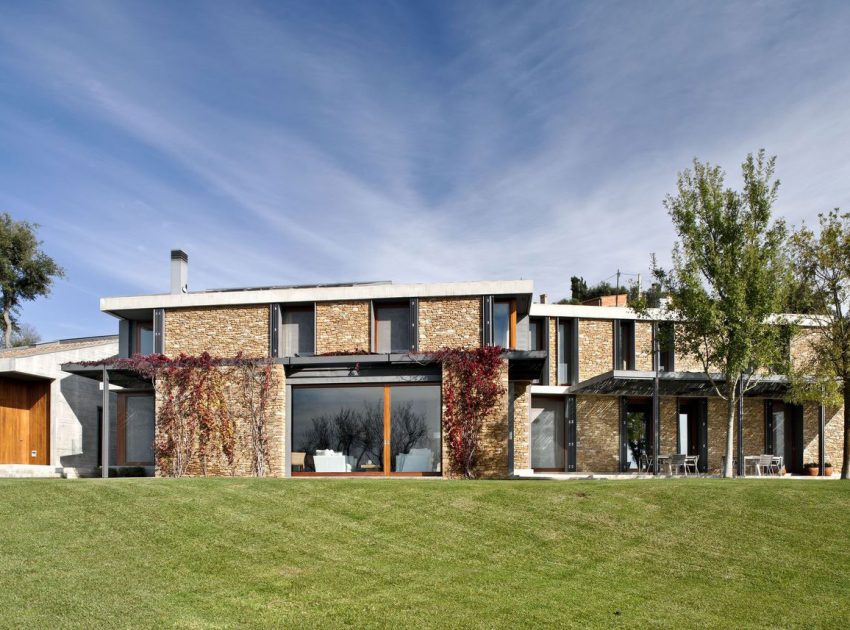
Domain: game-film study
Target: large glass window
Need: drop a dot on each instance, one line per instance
(297, 332)
(637, 434)
(535, 334)
(415, 428)
(138, 428)
(547, 434)
(504, 323)
(342, 429)
(565, 351)
(392, 327)
(625, 355)
(143, 341)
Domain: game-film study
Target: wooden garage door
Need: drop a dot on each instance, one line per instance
(24, 422)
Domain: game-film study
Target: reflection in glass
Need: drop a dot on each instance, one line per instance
(298, 331)
(139, 430)
(415, 428)
(341, 429)
(392, 327)
(637, 438)
(547, 433)
(502, 324)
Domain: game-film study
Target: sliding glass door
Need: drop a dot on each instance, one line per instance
(548, 430)
(383, 429)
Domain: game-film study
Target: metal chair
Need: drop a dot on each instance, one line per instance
(765, 462)
(691, 461)
(679, 462)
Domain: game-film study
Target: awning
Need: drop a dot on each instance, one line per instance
(122, 377)
(696, 384)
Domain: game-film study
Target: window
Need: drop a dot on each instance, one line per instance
(136, 418)
(392, 327)
(297, 335)
(624, 345)
(535, 334)
(504, 323)
(666, 343)
(367, 429)
(143, 338)
(566, 351)
(547, 434)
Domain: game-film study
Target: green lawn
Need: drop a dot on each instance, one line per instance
(228, 552)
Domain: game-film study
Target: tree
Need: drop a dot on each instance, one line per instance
(24, 335)
(26, 272)
(821, 264)
(727, 280)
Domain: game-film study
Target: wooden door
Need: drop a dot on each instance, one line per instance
(24, 422)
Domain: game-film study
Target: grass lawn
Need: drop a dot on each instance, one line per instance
(227, 552)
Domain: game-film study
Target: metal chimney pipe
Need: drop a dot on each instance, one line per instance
(179, 271)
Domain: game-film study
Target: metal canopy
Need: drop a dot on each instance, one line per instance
(121, 377)
(634, 383)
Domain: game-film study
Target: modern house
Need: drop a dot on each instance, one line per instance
(50, 420)
(360, 394)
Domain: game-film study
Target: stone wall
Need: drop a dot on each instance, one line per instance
(222, 331)
(453, 322)
(522, 409)
(834, 436)
(343, 326)
(802, 352)
(597, 434)
(595, 347)
(216, 464)
(668, 421)
(643, 346)
(553, 351)
(492, 459)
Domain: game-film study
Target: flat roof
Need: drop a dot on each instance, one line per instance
(316, 293)
(60, 345)
(581, 311)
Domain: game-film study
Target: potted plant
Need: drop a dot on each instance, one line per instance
(827, 469)
(811, 469)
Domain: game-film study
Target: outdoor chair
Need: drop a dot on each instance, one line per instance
(679, 463)
(691, 462)
(765, 463)
(298, 460)
(645, 463)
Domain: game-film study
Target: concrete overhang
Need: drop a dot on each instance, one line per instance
(128, 306)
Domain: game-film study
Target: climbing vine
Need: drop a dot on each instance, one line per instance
(199, 399)
(471, 391)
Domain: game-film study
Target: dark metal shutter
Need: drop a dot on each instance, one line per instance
(274, 330)
(159, 331)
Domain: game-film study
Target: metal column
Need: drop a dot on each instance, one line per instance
(104, 430)
(656, 423)
(740, 449)
(821, 443)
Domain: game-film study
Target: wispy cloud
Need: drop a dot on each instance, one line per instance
(298, 142)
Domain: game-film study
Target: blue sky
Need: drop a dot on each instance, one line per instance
(414, 141)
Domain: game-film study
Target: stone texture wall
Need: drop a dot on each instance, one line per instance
(493, 446)
(595, 347)
(801, 348)
(553, 351)
(343, 327)
(242, 466)
(522, 428)
(834, 436)
(597, 434)
(220, 330)
(449, 322)
(668, 421)
(643, 346)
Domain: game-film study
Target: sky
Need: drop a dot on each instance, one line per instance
(421, 141)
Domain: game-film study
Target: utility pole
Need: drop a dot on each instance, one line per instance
(617, 292)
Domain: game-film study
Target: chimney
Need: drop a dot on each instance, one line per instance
(179, 271)
(543, 297)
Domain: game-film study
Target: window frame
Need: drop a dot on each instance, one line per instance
(121, 429)
(512, 317)
(138, 326)
(399, 304)
(387, 408)
(295, 306)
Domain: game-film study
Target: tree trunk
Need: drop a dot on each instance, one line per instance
(731, 404)
(845, 464)
(7, 333)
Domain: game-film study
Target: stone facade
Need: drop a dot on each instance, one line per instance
(834, 438)
(802, 352)
(643, 346)
(522, 409)
(343, 327)
(222, 331)
(598, 434)
(553, 351)
(668, 424)
(492, 459)
(453, 322)
(242, 465)
(595, 347)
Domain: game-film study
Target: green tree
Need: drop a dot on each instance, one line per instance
(26, 272)
(821, 264)
(728, 278)
(24, 335)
